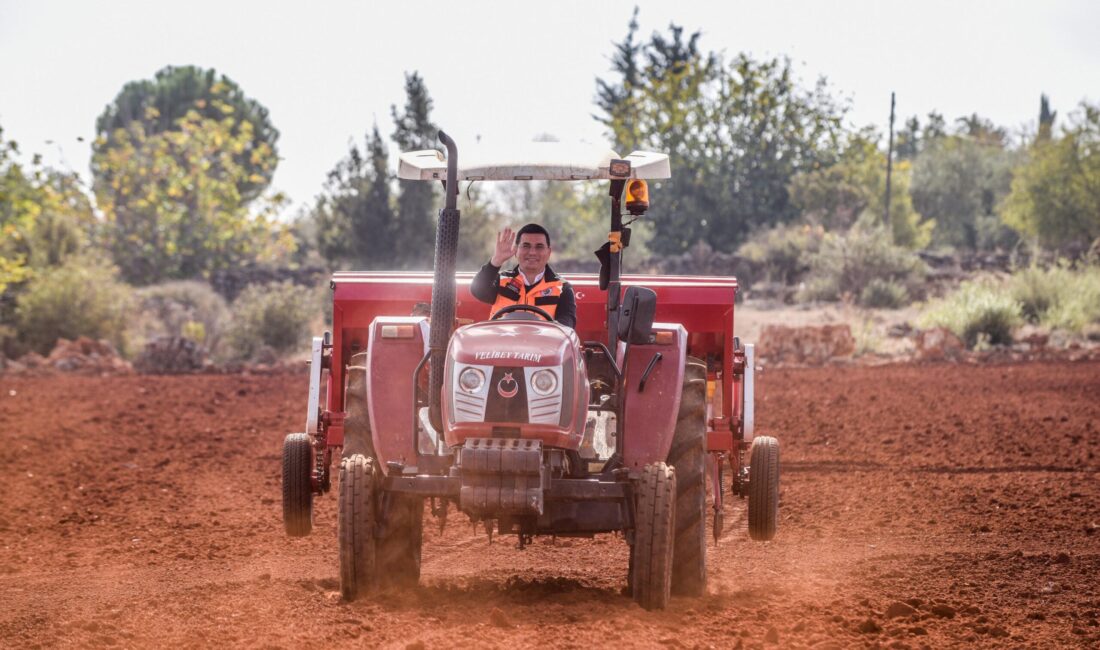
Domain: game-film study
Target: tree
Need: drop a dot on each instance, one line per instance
(172, 200)
(1055, 194)
(1046, 118)
(45, 216)
(960, 182)
(354, 216)
(853, 189)
(416, 200)
(173, 93)
(736, 133)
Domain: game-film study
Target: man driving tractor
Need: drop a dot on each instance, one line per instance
(531, 282)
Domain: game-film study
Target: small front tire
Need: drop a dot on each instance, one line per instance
(355, 526)
(651, 553)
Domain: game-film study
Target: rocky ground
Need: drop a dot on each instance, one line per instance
(922, 506)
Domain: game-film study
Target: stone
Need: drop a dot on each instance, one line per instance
(772, 636)
(899, 608)
(939, 344)
(943, 611)
(869, 626)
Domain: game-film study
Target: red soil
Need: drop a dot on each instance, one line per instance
(138, 511)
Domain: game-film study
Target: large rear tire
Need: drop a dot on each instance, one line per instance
(298, 484)
(357, 433)
(355, 526)
(651, 554)
(688, 455)
(763, 488)
(398, 553)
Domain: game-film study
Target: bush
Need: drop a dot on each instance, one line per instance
(884, 294)
(847, 264)
(277, 316)
(782, 253)
(978, 311)
(1078, 304)
(82, 297)
(1037, 289)
(188, 309)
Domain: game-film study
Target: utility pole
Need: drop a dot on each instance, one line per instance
(889, 159)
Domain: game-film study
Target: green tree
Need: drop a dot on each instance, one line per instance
(416, 200)
(355, 220)
(960, 182)
(1055, 194)
(173, 93)
(45, 216)
(172, 200)
(736, 133)
(836, 196)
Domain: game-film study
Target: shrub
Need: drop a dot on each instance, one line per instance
(884, 294)
(847, 264)
(273, 315)
(979, 310)
(82, 297)
(186, 308)
(1078, 303)
(782, 253)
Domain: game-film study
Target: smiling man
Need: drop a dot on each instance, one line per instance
(531, 282)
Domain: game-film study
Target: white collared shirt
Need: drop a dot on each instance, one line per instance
(535, 281)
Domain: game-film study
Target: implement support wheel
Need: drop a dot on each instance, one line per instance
(355, 525)
(763, 488)
(651, 554)
(297, 484)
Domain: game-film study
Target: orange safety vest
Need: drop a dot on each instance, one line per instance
(513, 291)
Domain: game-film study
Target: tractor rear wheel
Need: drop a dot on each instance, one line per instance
(357, 434)
(298, 484)
(654, 520)
(398, 552)
(688, 455)
(355, 526)
(763, 488)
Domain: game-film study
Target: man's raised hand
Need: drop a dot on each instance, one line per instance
(505, 248)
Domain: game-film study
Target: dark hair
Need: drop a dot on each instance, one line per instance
(533, 229)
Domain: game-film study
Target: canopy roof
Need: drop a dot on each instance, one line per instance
(533, 161)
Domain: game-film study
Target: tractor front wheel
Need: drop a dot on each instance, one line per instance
(763, 488)
(298, 484)
(651, 554)
(355, 525)
(398, 552)
(688, 455)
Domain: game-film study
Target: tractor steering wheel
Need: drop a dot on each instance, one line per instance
(531, 308)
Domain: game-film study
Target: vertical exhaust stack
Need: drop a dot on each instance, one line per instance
(443, 285)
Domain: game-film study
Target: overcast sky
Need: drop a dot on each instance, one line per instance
(506, 70)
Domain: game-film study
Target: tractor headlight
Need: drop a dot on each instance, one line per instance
(471, 380)
(544, 382)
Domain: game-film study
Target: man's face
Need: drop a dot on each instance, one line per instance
(533, 253)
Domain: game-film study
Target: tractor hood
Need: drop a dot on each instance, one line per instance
(513, 343)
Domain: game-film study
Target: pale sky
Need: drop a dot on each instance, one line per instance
(512, 70)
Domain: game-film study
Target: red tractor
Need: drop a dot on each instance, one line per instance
(525, 425)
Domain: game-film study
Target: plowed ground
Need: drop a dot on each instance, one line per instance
(146, 512)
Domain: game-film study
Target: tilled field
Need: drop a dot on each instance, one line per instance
(924, 506)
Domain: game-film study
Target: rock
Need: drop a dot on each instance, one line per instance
(806, 345)
(997, 631)
(869, 626)
(939, 344)
(1061, 558)
(914, 602)
(899, 608)
(899, 330)
(943, 611)
(499, 619)
(772, 636)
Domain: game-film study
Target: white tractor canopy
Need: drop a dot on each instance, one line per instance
(533, 161)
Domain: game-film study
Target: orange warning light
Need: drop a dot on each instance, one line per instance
(637, 197)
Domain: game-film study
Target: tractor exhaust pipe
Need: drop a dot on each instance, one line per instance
(443, 286)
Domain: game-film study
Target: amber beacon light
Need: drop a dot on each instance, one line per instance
(637, 197)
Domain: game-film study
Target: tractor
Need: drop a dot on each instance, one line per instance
(526, 426)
